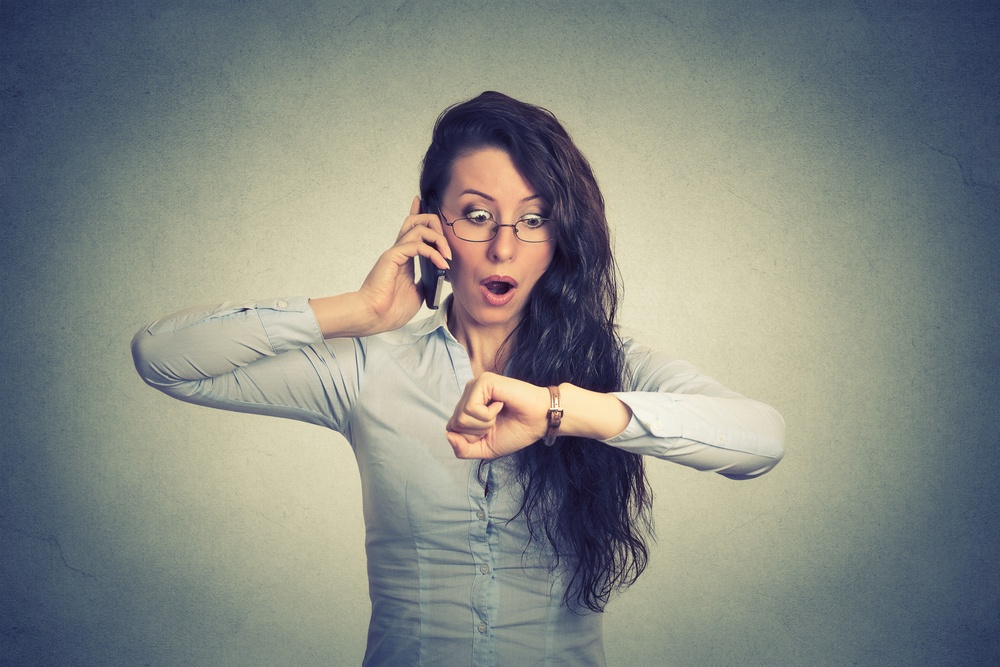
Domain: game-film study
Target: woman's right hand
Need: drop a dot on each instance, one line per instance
(388, 298)
(389, 292)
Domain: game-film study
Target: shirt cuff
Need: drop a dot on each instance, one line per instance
(289, 323)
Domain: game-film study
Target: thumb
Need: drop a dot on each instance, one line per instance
(462, 445)
(415, 206)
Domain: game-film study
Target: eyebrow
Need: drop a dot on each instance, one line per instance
(470, 191)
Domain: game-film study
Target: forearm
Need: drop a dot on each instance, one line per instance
(735, 437)
(590, 414)
(343, 316)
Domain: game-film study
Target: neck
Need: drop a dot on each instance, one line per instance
(481, 342)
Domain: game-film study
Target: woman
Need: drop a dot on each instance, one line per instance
(502, 548)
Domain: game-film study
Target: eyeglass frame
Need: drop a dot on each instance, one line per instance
(496, 229)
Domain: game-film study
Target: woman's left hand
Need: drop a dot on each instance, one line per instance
(497, 416)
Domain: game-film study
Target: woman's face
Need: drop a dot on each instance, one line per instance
(492, 280)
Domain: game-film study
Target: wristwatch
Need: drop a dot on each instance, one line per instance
(555, 417)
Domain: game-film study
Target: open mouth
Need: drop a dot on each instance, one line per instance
(498, 286)
(498, 290)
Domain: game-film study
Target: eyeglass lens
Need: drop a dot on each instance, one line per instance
(532, 230)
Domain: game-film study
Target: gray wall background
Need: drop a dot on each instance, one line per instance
(804, 198)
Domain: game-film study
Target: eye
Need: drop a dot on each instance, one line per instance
(532, 221)
(479, 216)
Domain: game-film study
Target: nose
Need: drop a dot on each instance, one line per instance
(504, 244)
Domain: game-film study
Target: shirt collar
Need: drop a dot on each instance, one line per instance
(437, 320)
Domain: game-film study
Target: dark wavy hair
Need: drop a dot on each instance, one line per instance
(589, 500)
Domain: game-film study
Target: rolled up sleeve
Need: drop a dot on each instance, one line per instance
(684, 416)
(264, 357)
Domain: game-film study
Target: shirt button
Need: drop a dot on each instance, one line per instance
(481, 627)
(281, 304)
(481, 515)
(485, 569)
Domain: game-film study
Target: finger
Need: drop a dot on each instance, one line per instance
(470, 438)
(464, 449)
(415, 219)
(434, 222)
(399, 258)
(433, 245)
(428, 233)
(470, 428)
(423, 233)
(469, 425)
(485, 414)
(428, 251)
(442, 241)
(459, 445)
(418, 219)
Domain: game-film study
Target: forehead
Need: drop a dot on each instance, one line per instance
(489, 171)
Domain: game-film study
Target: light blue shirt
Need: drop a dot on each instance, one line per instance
(450, 579)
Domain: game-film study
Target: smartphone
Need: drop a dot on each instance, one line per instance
(431, 277)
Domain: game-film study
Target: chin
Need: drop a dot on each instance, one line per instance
(497, 315)
(491, 315)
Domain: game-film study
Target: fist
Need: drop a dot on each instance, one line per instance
(497, 416)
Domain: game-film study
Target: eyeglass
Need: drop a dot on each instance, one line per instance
(480, 226)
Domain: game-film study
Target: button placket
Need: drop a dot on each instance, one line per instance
(482, 592)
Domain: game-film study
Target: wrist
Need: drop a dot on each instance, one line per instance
(554, 417)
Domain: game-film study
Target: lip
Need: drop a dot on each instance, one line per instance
(498, 299)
